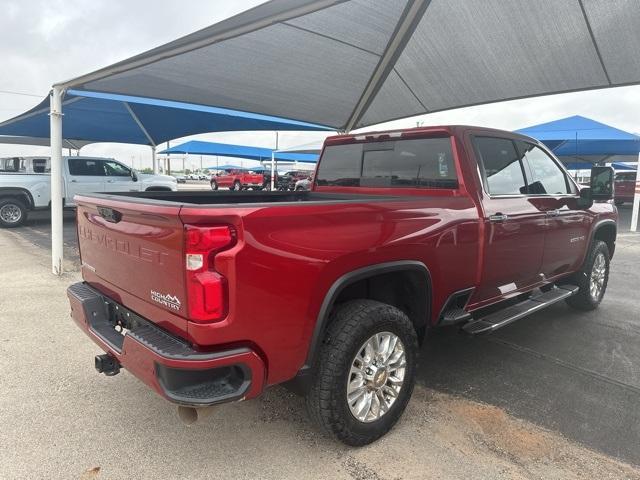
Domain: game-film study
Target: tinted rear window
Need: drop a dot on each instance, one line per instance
(419, 163)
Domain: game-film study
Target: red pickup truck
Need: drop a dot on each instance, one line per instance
(212, 297)
(625, 187)
(236, 180)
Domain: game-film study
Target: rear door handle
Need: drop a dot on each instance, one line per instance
(498, 218)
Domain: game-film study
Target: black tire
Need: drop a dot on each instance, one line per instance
(352, 324)
(214, 185)
(584, 299)
(13, 213)
(299, 189)
(236, 187)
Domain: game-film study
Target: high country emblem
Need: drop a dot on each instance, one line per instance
(170, 301)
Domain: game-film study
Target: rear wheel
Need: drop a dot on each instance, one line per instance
(593, 278)
(214, 185)
(236, 187)
(13, 213)
(365, 372)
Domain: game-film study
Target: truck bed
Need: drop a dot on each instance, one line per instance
(216, 198)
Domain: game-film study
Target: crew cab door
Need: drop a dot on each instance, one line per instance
(552, 191)
(225, 179)
(514, 227)
(84, 175)
(119, 178)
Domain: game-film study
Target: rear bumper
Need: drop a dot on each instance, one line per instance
(167, 364)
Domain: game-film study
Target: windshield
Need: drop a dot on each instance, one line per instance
(418, 163)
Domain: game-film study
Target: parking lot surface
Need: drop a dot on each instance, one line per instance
(555, 395)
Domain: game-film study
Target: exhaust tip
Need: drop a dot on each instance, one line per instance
(192, 415)
(188, 415)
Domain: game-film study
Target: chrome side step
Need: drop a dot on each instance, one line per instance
(515, 312)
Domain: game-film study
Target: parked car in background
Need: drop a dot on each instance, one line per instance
(304, 184)
(25, 183)
(203, 176)
(287, 181)
(625, 183)
(236, 180)
(402, 232)
(181, 179)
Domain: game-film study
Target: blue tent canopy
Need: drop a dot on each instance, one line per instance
(580, 136)
(196, 147)
(99, 117)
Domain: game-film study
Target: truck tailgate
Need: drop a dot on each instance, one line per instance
(137, 247)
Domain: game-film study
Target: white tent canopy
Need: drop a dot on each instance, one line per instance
(348, 64)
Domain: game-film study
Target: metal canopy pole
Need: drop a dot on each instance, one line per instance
(152, 143)
(273, 169)
(636, 201)
(56, 180)
(154, 159)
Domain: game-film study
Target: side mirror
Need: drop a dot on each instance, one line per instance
(585, 201)
(134, 175)
(601, 185)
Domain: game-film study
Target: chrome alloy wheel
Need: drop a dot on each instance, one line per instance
(10, 213)
(598, 274)
(376, 376)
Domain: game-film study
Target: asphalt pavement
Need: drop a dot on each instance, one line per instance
(554, 395)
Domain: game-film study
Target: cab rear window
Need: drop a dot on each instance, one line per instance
(418, 163)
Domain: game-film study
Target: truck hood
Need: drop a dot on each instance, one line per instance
(149, 178)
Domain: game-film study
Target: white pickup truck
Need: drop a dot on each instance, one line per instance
(25, 183)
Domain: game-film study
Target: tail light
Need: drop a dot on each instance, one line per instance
(207, 294)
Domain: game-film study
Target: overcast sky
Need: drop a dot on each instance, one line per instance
(45, 41)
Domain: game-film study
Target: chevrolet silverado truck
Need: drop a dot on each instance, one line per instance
(25, 183)
(237, 180)
(211, 297)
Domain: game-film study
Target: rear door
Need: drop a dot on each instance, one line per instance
(84, 175)
(514, 226)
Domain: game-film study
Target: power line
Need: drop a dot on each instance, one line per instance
(21, 93)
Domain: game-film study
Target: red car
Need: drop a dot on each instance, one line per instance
(212, 298)
(236, 180)
(625, 187)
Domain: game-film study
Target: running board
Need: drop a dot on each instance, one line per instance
(515, 312)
